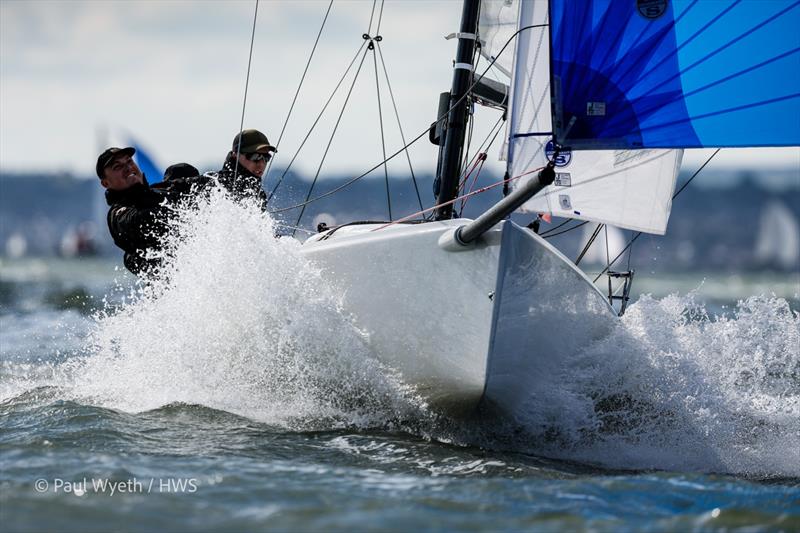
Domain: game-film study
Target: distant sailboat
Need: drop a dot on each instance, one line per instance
(16, 246)
(778, 241)
(600, 251)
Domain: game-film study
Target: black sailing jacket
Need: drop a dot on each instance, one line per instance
(242, 183)
(137, 220)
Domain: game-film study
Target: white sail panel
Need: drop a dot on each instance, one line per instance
(626, 188)
(629, 189)
(497, 23)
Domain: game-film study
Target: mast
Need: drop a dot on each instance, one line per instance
(450, 152)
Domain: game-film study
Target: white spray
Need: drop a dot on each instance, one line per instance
(237, 320)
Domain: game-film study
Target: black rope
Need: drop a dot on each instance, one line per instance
(566, 230)
(246, 85)
(297, 93)
(330, 141)
(630, 253)
(469, 141)
(399, 125)
(380, 121)
(696, 173)
(589, 243)
(639, 234)
(551, 230)
(418, 137)
(608, 265)
(316, 121)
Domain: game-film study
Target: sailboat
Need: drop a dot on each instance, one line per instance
(602, 98)
(778, 239)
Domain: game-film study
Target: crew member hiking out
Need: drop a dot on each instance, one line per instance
(138, 215)
(244, 166)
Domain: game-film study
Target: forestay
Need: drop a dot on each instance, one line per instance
(624, 188)
(676, 73)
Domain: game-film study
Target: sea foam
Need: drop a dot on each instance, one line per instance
(240, 321)
(673, 388)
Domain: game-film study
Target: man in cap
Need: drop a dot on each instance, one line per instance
(245, 164)
(138, 216)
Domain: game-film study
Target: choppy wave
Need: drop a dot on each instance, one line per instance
(672, 388)
(239, 321)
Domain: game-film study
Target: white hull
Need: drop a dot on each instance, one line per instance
(468, 325)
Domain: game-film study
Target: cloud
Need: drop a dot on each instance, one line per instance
(172, 72)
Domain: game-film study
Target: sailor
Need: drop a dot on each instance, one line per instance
(244, 166)
(138, 215)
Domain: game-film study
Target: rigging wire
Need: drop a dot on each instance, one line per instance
(608, 265)
(399, 125)
(551, 230)
(589, 243)
(246, 85)
(380, 120)
(639, 234)
(494, 132)
(380, 17)
(316, 121)
(330, 141)
(371, 16)
(297, 93)
(479, 163)
(348, 182)
(454, 200)
(630, 253)
(567, 230)
(483, 159)
(422, 134)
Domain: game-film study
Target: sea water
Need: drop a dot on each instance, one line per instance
(236, 393)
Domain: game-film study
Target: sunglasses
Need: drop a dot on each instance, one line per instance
(257, 156)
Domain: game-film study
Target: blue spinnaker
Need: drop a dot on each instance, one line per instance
(676, 73)
(152, 172)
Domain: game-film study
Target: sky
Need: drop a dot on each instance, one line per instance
(77, 76)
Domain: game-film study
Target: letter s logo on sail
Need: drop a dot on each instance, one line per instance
(651, 9)
(564, 155)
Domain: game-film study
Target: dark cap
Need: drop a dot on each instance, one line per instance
(180, 171)
(109, 155)
(252, 141)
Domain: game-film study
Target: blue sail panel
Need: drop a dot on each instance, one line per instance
(152, 172)
(675, 73)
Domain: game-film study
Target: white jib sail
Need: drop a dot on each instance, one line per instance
(629, 189)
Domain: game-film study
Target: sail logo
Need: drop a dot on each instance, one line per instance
(564, 154)
(651, 9)
(595, 109)
(563, 179)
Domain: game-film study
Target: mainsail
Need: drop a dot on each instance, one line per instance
(626, 188)
(676, 73)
